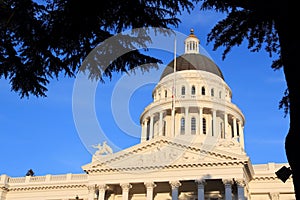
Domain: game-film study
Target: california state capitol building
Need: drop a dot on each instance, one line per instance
(192, 148)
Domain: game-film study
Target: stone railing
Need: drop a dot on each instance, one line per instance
(4, 179)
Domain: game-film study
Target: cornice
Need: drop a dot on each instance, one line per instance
(46, 187)
(181, 166)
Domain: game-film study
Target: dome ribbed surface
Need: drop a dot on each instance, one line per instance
(192, 62)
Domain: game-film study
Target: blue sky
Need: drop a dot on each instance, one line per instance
(41, 133)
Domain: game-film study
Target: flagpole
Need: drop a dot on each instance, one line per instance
(174, 90)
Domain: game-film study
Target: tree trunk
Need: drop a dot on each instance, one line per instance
(290, 44)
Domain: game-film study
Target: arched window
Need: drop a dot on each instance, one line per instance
(182, 125)
(203, 90)
(212, 91)
(193, 90)
(182, 90)
(204, 125)
(220, 94)
(193, 125)
(166, 94)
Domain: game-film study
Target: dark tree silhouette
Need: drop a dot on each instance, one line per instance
(266, 24)
(39, 42)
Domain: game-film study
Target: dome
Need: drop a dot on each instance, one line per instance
(192, 61)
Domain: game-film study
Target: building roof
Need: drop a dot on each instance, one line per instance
(192, 61)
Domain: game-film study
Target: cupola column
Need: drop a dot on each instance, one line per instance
(241, 132)
(226, 126)
(200, 186)
(187, 121)
(160, 129)
(214, 119)
(144, 130)
(175, 185)
(234, 127)
(200, 121)
(151, 127)
(125, 190)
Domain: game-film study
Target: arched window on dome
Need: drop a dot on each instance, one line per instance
(220, 94)
(212, 92)
(204, 126)
(182, 125)
(193, 90)
(193, 126)
(203, 90)
(166, 94)
(182, 90)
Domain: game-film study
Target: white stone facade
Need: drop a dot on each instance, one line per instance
(192, 148)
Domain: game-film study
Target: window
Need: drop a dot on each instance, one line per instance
(182, 90)
(193, 90)
(193, 125)
(212, 91)
(166, 94)
(204, 125)
(203, 90)
(182, 125)
(220, 94)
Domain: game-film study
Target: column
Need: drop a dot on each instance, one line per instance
(101, 188)
(91, 192)
(187, 121)
(228, 191)
(144, 130)
(200, 121)
(214, 119)
(160, 125)
(241, 129)
(200, 186)
(226, 126)
(240, 189)
(172, 134)
(149, 187)
(151, 127)
(175, 185)
(3, 192)
(234, 127)
(125, 190)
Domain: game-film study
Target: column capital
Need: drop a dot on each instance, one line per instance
(240, 182)
(227, 182)
(102, 187)
(150, 184)
(200, 181)
(91, 188)
(175, 184)
(125, 186)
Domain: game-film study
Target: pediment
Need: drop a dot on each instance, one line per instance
(164, 152)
